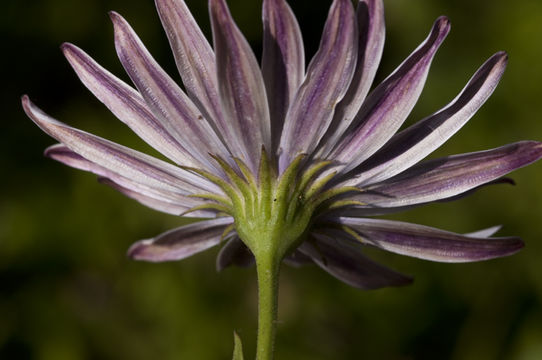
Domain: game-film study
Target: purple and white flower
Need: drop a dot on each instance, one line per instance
(279, 158)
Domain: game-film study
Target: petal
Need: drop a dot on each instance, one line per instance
(485, 233)
(235, 252)
(181, 242)
(370, 18)
(370, 210)
(158, 203)
(156, 199)
(450, 176)
(297, 259)
(165, 98)
(138, 167)
(389, 104)
(241, 86)
(343, 260)
(283, 61)
(429, 243)
(195, 59)
(416, 142)
(328, 76)
(126, 103)
(152, 197)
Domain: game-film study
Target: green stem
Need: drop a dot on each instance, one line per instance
(268, 273)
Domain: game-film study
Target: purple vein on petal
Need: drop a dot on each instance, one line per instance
(126, 104)
(181, 242)
(241, 86)
(429, 243)
(416, 142)
(449, 176)
(152, 197)
(195, 61)
(128, 163)
(161, 205)
(375, 210)
(166, 99)
(283, 61)
(328, 76)
(372, 33)
(388, 106)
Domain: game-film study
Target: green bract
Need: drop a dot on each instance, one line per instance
(272, 213)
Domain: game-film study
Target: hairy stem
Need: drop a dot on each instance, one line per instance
(268, 273)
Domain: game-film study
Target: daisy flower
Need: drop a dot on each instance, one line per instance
(287, 163)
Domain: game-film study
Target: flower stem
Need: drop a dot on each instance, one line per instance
(268, 273)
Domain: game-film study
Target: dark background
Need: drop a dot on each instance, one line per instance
(68, 292)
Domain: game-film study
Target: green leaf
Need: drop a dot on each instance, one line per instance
(237, 348)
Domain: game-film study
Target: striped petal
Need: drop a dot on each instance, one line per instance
(157, 203)
(429, 243)
(154, 198)
(370, 18)
(181, 242)
(371, 210)
(195, 60)
(283, 61)
(166, 99)
(416, 142)
(343, 260)
(235, 252)
(128, 163)
(328, 76)
(450, 176)
(241, 86)
(126, 103)
(388, 106)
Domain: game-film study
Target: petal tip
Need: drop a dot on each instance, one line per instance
(66, 46)
(27, 105)
(116, 18)
(502, 54)
(442, 26)
(137, 250)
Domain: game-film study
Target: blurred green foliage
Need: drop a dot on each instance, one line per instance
(68, 292)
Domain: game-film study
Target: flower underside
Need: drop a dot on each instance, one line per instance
(335, 154)
(272, 211)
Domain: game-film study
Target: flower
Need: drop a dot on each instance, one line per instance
(284, 161)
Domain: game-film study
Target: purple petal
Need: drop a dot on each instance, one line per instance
(342, 259)
(130, 164)
(158, 203)
(241, 86)
(235, 252)
(370, 18)
(195, 60)
(163, 200)
(328, 76)
(178, 114)
(181, 242)
(297, 259)
(416, 142)
(126, 103)
(429, 243)
(283, 61)
(450, 176)
(389, 104)
(370, 210)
